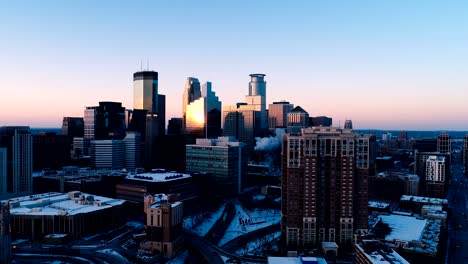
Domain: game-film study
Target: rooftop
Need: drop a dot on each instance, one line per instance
(404, 228)
(419, 199)
(376, 204)
(378, 253)
(296, 260)
(158, 176)
(53, 203)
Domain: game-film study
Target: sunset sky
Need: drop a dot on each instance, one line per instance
(383, 64)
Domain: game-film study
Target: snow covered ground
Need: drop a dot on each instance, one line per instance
(247, 221)
(200, 224)
(256, 246)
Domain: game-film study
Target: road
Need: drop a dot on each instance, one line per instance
(218, 230)
(457, 250)
(212, 253)
(244, 239)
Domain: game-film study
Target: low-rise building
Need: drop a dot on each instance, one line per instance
(75, 213)
(374, 251)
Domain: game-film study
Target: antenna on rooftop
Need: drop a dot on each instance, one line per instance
(141, 65)
(147, 64)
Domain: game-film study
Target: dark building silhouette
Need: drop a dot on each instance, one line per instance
(106, 121)
(425, 145)
(175, 126)
(73, 127)
(17, 141)
(320, 121)
(51, 151)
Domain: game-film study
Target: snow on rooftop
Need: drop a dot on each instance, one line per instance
(404, 228)
(420, 199)
(382, 257)
(60, 204)
(161, 176)
(295, 260)
(376, 204)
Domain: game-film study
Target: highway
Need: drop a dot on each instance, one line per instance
(457, 250)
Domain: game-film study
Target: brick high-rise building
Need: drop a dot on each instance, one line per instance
(324, 185)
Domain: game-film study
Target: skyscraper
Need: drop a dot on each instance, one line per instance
(444, 143)
(192, 92)
(73, 126)
(133, 150)
(324, 185)
(435, 176)
(278, 114)
(146, 100)
(108, 154)
(145, 91)
(106, 121)
(257, 97)
(18, 143)
(203, 115)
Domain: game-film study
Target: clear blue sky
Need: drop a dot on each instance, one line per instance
(384, 64)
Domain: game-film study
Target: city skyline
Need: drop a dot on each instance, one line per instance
(389, 66)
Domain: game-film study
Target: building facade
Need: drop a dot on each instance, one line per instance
(107, 154)
(203, 115)
(5, 237)
(444, 143)
(224, 158)
(73, 126)
(164, 219)
(298, 118)
(435, 176)
(257, 97)
(278, 114)
(324, 185)
(320, 121)
(19, 154)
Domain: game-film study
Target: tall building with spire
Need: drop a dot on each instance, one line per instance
(147, 101)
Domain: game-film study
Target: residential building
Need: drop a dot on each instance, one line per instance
(435, 176)
(435, 188)
(325, 185)
(224, 158)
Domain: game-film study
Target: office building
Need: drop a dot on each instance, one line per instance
(224, 158)
(106, 121)
(5, 237)
(175, 126)
(325, 186)
(202, 115)
(320, 121)
(278, 114)
(298, 118)
(133, 151)
(149, 113)
(444, 143)
(257, 97)
(348, 124)
(108, 154)
(164, 216)
(192, 92)
(73, 126)
(18, 143)
(75, 213)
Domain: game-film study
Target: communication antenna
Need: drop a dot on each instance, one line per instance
(147, 64)
(141, 65)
